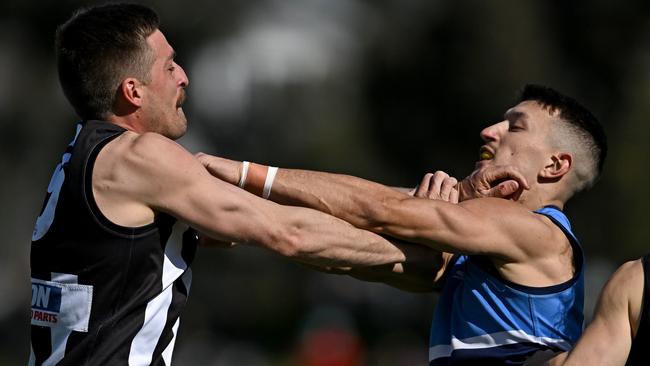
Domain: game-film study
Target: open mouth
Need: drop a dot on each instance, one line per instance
(485, 154)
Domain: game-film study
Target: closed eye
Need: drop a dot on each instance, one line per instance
(512, 127)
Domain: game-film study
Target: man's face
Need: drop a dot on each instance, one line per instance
(165, 92)
(520, 140)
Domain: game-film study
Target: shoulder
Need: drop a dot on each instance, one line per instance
(144, 163)
(149, 151)
(626, 282)
(151, 144)
(624, 290)
(530, 235)
(631, 270)
(626, 277)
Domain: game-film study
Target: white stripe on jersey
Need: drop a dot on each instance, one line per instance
(494, 340)
(174, 265)
(167, 353)
(59, 334)
(59, 337)
(155, 315)
(32, 357)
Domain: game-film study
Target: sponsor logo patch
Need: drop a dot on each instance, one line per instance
(46, 303)
(56, 304)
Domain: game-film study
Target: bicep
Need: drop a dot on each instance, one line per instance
(167, 178)
(482, 226)
(608, 338)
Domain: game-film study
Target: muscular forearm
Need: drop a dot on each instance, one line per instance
(421, 270)
(349, 198)
(315, 238)
(352, 199)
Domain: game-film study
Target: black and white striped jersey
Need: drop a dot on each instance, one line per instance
(102, 294)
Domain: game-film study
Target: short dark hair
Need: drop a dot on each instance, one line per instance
(97, 48)
(580, 119)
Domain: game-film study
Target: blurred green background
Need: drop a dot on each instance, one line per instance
(387, 90)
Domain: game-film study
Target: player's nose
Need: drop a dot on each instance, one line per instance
(493, 132)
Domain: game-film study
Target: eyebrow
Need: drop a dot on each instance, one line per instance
(172, 56)
(514, 115)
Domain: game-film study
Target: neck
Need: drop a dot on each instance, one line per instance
(537, 198)
(131, 122)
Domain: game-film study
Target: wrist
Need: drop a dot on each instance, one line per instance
(243, 173)
(257, 179)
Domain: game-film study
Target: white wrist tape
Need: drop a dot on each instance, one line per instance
(244, 173)
(268, 183)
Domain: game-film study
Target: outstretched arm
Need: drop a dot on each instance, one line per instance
(151, 172)
(471, 227)
(608, 338)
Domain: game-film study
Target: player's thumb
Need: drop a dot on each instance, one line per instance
(504, 189)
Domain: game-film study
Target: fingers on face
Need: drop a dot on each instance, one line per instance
(508, 172)
(508, 187)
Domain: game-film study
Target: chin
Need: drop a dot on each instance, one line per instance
(177, 133)
(178, 128)
(481, 164)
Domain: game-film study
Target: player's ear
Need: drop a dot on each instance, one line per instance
(128, 96)
(557, 165)
(130, 93)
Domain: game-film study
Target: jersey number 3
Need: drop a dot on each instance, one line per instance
(44, 220)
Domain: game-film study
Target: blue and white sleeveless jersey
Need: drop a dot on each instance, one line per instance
(483, 319)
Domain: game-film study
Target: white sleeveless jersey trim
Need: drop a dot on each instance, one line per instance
(494, 340)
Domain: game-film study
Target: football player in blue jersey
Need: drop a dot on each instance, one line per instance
(510, 271)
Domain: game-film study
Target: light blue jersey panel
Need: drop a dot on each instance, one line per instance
(484, 319)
